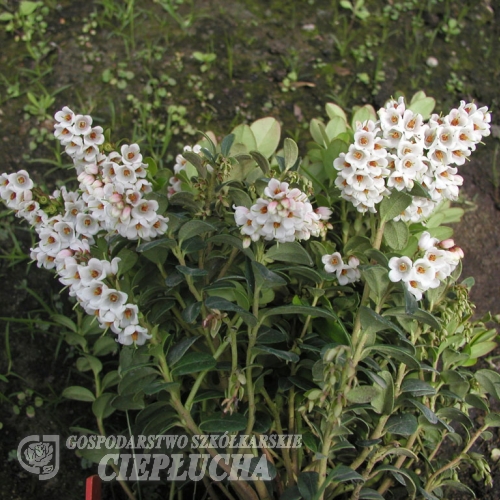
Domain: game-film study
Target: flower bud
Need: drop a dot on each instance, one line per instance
(447, 244)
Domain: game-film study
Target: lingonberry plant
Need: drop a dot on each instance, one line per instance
(258, 293)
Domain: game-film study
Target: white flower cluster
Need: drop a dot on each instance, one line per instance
(113, 185)
(363, 170)
(437, 263)
(64, 245)
(283, 214)
(180, 164)
(400, 149)
(346, 273)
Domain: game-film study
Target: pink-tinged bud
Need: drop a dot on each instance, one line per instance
(115, 212)
(91, 168)
(447, 244)
(353, 261)
(126, 213)
(246, 242)
(86, 179)
(115, 198)
(96, 184)
(324, 212)
(458, 251)
(285, 202)
(64, 253)
(271, 207)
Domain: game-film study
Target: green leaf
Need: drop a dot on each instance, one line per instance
(151, 166)
(226, 144)
(307, 482)
(267, 133)
(315, 312)
(334, 110)
(194, 362)
(419, 191)
(396, 352)
(422, 104)
(110, 379)
(419, 315)
(317, 130)
(26, 8)
(64, 321)
(362, 114)
(369, 494)
(383, 403)
(185, 200)
(243, 135)
(404, 424)
(78, 393)
(161, 242)
(370, 320)
(191, 312)
(362, 394)
(105, 345)
(292, 252)
(417, 387)
(265, 278)
(178, 350)
(89, 362)
(102, 405)
(127, 262)
(394, 205)
(6, 16)
(285, 355)
(222, 422)
(194, 228)
(492, 420)
(342, 474)
(489, 381)
(191, 271)
(396, 234)
(291, 152)
(135, 379)
(335, 127)
(261, 161)
(426, 411)
(476, 402)
(377, 278)
(222, 304)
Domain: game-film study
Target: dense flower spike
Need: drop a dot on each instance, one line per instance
(400, 150)
(438, 261)
(283, 214)
(110, 201)
(112, 185)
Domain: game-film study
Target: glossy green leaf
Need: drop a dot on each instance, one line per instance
(194, 228)
(396, 234)
(78, 393)
(307, 482)
(404, 424)
(194, 362)
(222, 304)
(222, 422)
(101, 407)
(267, 133)
(394, 205)
(285, 355)
(179, 349)
(396, 352)
(292, 252)
(362, 394)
